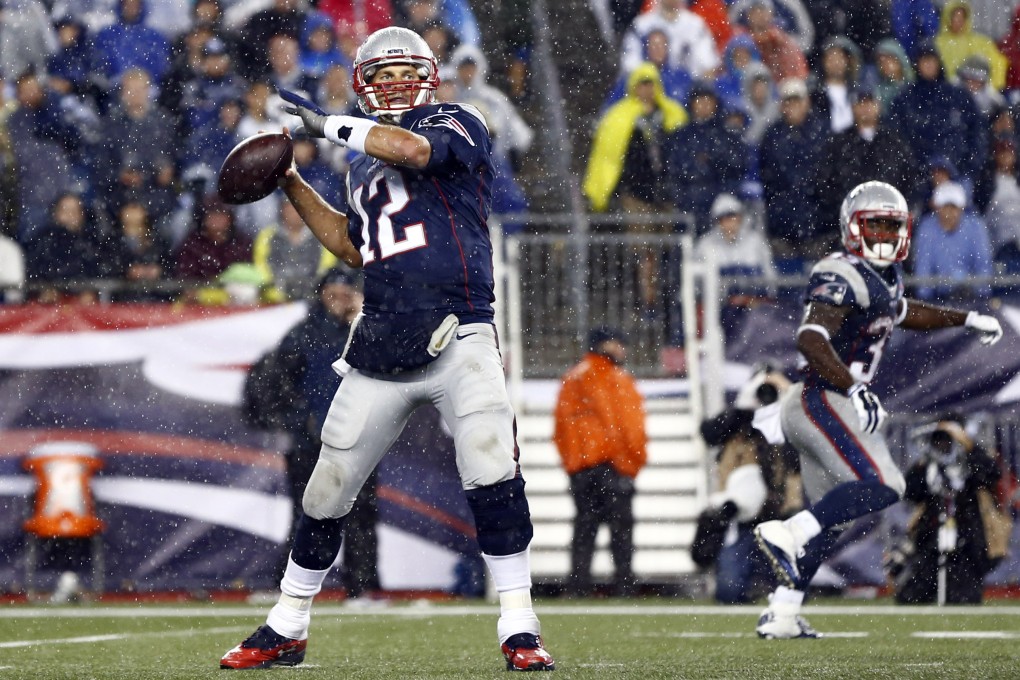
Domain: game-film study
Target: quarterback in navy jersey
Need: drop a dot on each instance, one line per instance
(853, 302)
(418, 197)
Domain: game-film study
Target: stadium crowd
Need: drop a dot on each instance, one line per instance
(116, 114)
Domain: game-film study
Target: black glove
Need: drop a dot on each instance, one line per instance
(312, 117)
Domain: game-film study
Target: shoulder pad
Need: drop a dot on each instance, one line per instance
(843, 268)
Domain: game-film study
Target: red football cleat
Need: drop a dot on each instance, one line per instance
(524, 652)
(265, 648)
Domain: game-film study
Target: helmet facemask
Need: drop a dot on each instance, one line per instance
(881, 237)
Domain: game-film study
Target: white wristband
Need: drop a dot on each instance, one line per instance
(348, 131)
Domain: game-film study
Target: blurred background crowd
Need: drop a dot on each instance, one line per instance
(753, 118)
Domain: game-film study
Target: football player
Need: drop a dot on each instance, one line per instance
(418, 194)
(854, 300)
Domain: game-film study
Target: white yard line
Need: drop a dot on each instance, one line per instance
(13, 644)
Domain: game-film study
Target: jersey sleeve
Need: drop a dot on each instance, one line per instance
(837, 282)
(457, 133)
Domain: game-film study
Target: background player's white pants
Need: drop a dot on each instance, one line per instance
(466, 383)
(824, 428)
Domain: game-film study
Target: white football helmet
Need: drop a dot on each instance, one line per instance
(875, 202)
(388, 47)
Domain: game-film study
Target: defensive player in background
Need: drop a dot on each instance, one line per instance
(854, 300)
(419, 193)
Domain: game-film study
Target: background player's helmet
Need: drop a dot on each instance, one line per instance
(388, 47)
(874, 201)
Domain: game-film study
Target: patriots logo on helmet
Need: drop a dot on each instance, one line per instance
(447, 121)
(830, 291)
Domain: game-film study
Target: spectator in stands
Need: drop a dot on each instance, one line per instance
(789, 16)
(893, 72)
(705, 158)
(214, 83)
(334, 93)
(39, 136)
(627, 166)
(1009, 46)
(213, 244)
(454, 14)
(867, 151)
(256, 111)
(957, 40)
(951, 491)
(973, 75)
(739, 54)
(600, 434)
(357, 19)
(285, 66)
(139, 253)
(319, 49)
(938, 171)
(1002, 208)
(830, 95)
(863, 22)
(937, 118)
(914, 22)
(305, 357)
(789, 156)
(511, 136)
(27, 38)
(206, 148)
(738, 250)
(757, 480)
(760, 103)
(70, 248)
(186, 64)
(441, 41)
(290, 257)
(715, 13)
(284, 17)
(779, 51)
(12, 270)
(952, 243)
(136, 136)
(676, 80)
(692, 46)
(129, 43)
(68, 66)
(9, 185)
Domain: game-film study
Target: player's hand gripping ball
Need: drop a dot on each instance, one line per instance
(254, 168)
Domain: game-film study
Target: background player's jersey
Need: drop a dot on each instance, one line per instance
(423, 233)
(875, 300)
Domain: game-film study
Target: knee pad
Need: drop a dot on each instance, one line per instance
(502, 517)
(330, 492)
(485, 449)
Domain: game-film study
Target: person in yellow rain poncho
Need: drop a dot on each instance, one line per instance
(958, 40)
(626, 169)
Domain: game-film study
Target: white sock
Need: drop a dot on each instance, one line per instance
(291, 615)
(511, 575)
(804, 526)
(784, 595)
(301, 582)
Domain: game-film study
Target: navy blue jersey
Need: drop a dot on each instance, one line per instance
(422, 233)
(876, 305)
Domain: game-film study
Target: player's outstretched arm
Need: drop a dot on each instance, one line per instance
(923, 316)
(328, 224)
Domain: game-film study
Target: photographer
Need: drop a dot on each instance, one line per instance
(955, 531)
(758, 478)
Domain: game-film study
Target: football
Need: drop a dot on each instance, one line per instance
(253, 168)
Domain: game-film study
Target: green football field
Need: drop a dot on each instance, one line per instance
(656, 638)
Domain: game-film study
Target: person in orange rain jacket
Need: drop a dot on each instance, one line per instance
(600, 434)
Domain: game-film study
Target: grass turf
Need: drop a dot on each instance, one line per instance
(589, 639)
